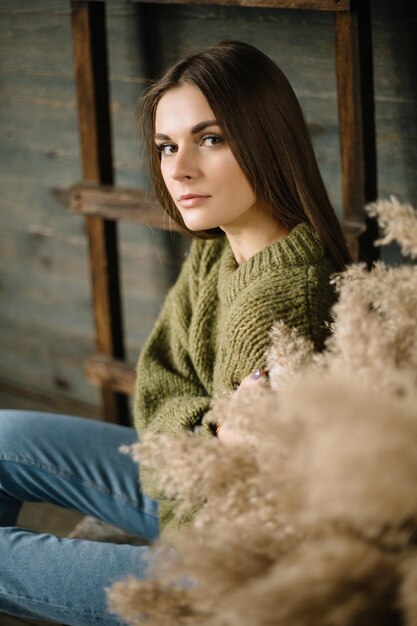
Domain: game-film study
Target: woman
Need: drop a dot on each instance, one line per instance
(232, 163)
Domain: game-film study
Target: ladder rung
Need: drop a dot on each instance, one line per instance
(117, 203)
(114, 374)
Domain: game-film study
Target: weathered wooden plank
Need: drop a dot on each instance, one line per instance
(57, 7)
(395, 70)
(357, 127)
(317, 5)
(53, 287)
(47, 255)
(49, 287)
(356, 119)
(134, 205)
(54, 7)
(47, 352)
(48, 359)
(29, 36)
(225, 15)
(111, 373)
(90, 62)
(14, 396)
(38, 358)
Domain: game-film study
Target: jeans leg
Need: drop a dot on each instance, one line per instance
(74, 463)
(63, 580)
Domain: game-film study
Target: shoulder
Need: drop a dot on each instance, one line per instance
(301, 247)
(292, 283)
(300, 261)
(285, 266)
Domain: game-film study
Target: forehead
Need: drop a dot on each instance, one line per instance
(180, 109)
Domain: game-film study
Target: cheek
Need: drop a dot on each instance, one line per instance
(236, 182)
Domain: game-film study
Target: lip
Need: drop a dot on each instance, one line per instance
(190, 200)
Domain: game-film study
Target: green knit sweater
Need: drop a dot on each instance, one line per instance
(213, 329)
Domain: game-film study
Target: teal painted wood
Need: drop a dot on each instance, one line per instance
(46, 327)
(395, 63)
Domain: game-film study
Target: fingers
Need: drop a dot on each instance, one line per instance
(259, 376)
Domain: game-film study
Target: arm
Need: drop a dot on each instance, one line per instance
(169, 396)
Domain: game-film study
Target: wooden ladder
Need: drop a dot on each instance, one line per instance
(103, 204)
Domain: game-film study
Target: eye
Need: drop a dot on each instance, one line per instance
(166, 148)
(211, 141)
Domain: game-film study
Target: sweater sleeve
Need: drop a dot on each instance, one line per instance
(169, 396)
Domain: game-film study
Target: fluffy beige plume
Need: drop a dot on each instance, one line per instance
(313, 522)
(337, 581)
(172, 603)
(399, 223)
(290, 354)
(374, 336)
(353, 447)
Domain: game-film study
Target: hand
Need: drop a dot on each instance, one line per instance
(231, 436)
(258, 377)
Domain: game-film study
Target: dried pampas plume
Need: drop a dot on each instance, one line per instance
(314, 521)
(399, 223)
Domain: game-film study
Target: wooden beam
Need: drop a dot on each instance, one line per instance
(354, 68)
(116, 203)
(113, 374)
(353, 230)
(90, 63)
(317, 5)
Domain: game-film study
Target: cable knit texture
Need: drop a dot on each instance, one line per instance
(213, 329)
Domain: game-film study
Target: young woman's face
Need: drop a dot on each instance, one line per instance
(198, 167)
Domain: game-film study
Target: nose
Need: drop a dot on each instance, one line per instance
(183, 165)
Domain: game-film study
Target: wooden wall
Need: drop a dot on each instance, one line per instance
(46, 328)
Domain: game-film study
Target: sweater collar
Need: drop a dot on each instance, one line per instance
(300, 247)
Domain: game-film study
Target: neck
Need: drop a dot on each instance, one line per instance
(260, 232)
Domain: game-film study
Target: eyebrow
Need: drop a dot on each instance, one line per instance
(195, 129)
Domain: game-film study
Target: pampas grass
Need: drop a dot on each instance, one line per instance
(398, 222)
(314, 520)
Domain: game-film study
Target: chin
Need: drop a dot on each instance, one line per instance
(197, 226)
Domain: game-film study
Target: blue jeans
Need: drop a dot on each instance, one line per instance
(74, 463)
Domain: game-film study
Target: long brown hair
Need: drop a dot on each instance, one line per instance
(263, 124)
